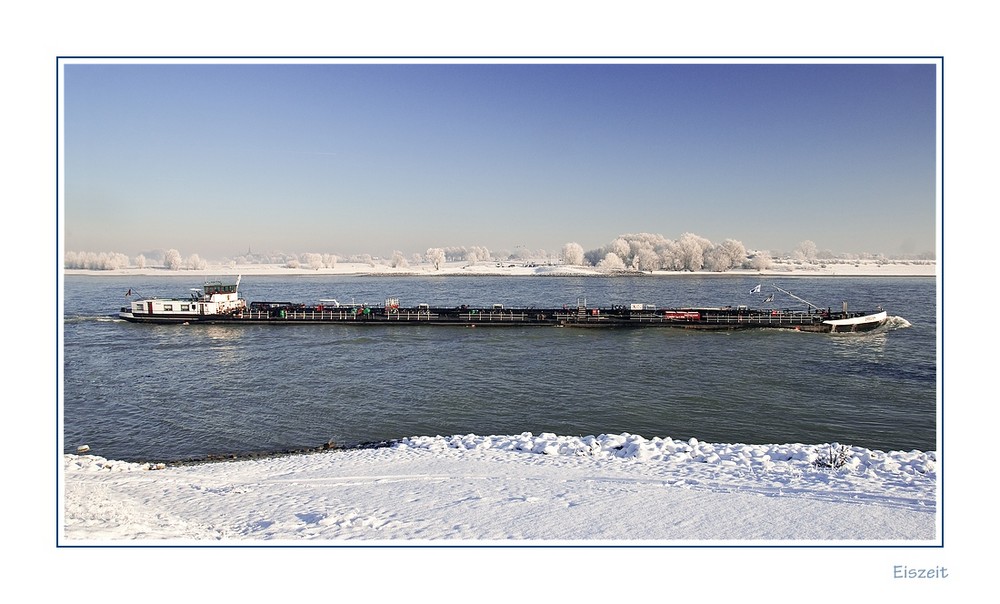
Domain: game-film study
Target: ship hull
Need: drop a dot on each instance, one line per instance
(220, 303)
(721, 319)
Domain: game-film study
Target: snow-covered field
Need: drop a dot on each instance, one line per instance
(521, 489)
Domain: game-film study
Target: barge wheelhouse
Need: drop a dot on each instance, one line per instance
(215, 299)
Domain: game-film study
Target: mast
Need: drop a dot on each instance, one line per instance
(807, 302)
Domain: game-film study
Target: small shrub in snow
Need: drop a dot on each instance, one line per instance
(834, 458)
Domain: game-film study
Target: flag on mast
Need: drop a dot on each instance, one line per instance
(755, 290)
(769, 298)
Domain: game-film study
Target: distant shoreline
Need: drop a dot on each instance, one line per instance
(505, 269)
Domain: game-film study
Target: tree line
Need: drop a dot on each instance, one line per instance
(627, 252)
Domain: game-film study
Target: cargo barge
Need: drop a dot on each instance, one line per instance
(220, 303)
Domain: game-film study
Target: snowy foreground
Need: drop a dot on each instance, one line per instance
(514, 490)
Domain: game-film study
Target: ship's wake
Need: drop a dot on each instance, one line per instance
(897, 323)
(92, 318)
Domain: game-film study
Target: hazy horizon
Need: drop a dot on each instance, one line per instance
(368, 158)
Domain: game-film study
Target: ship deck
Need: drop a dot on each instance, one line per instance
(689, 318)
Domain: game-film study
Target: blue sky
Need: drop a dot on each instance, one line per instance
(340, 158)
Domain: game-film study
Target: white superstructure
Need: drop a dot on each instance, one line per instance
(216, 298)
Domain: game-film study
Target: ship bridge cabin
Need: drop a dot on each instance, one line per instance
(218, 287)
(214, 299)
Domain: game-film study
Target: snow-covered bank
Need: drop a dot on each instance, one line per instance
(859, 269)
(514, 490)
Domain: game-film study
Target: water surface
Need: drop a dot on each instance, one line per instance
(168, 392)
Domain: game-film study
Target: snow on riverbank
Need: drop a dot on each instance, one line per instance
(514, 490)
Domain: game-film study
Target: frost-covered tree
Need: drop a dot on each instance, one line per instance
(727, 255)
(481, 253)
(716, 260)
(435, 256)
(671, 258)
(692, 249)
(806, 251)
(651, 251)
(646, 259)
(96, 261)
(572, 254)
(611, 262)
(194, 262)
(620, 247)
(312, 260)
(361, 259)
(397, 260)
(521, 253)
(140, 261)
(172, 259)
(735, 251)
(592, 257)
(761, 261)
(476, 254)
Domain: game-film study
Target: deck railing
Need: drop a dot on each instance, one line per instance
(778, 318)
(337, 315)
(496, 316)
(529, 316)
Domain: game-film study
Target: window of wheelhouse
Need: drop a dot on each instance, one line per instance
(216, 288)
